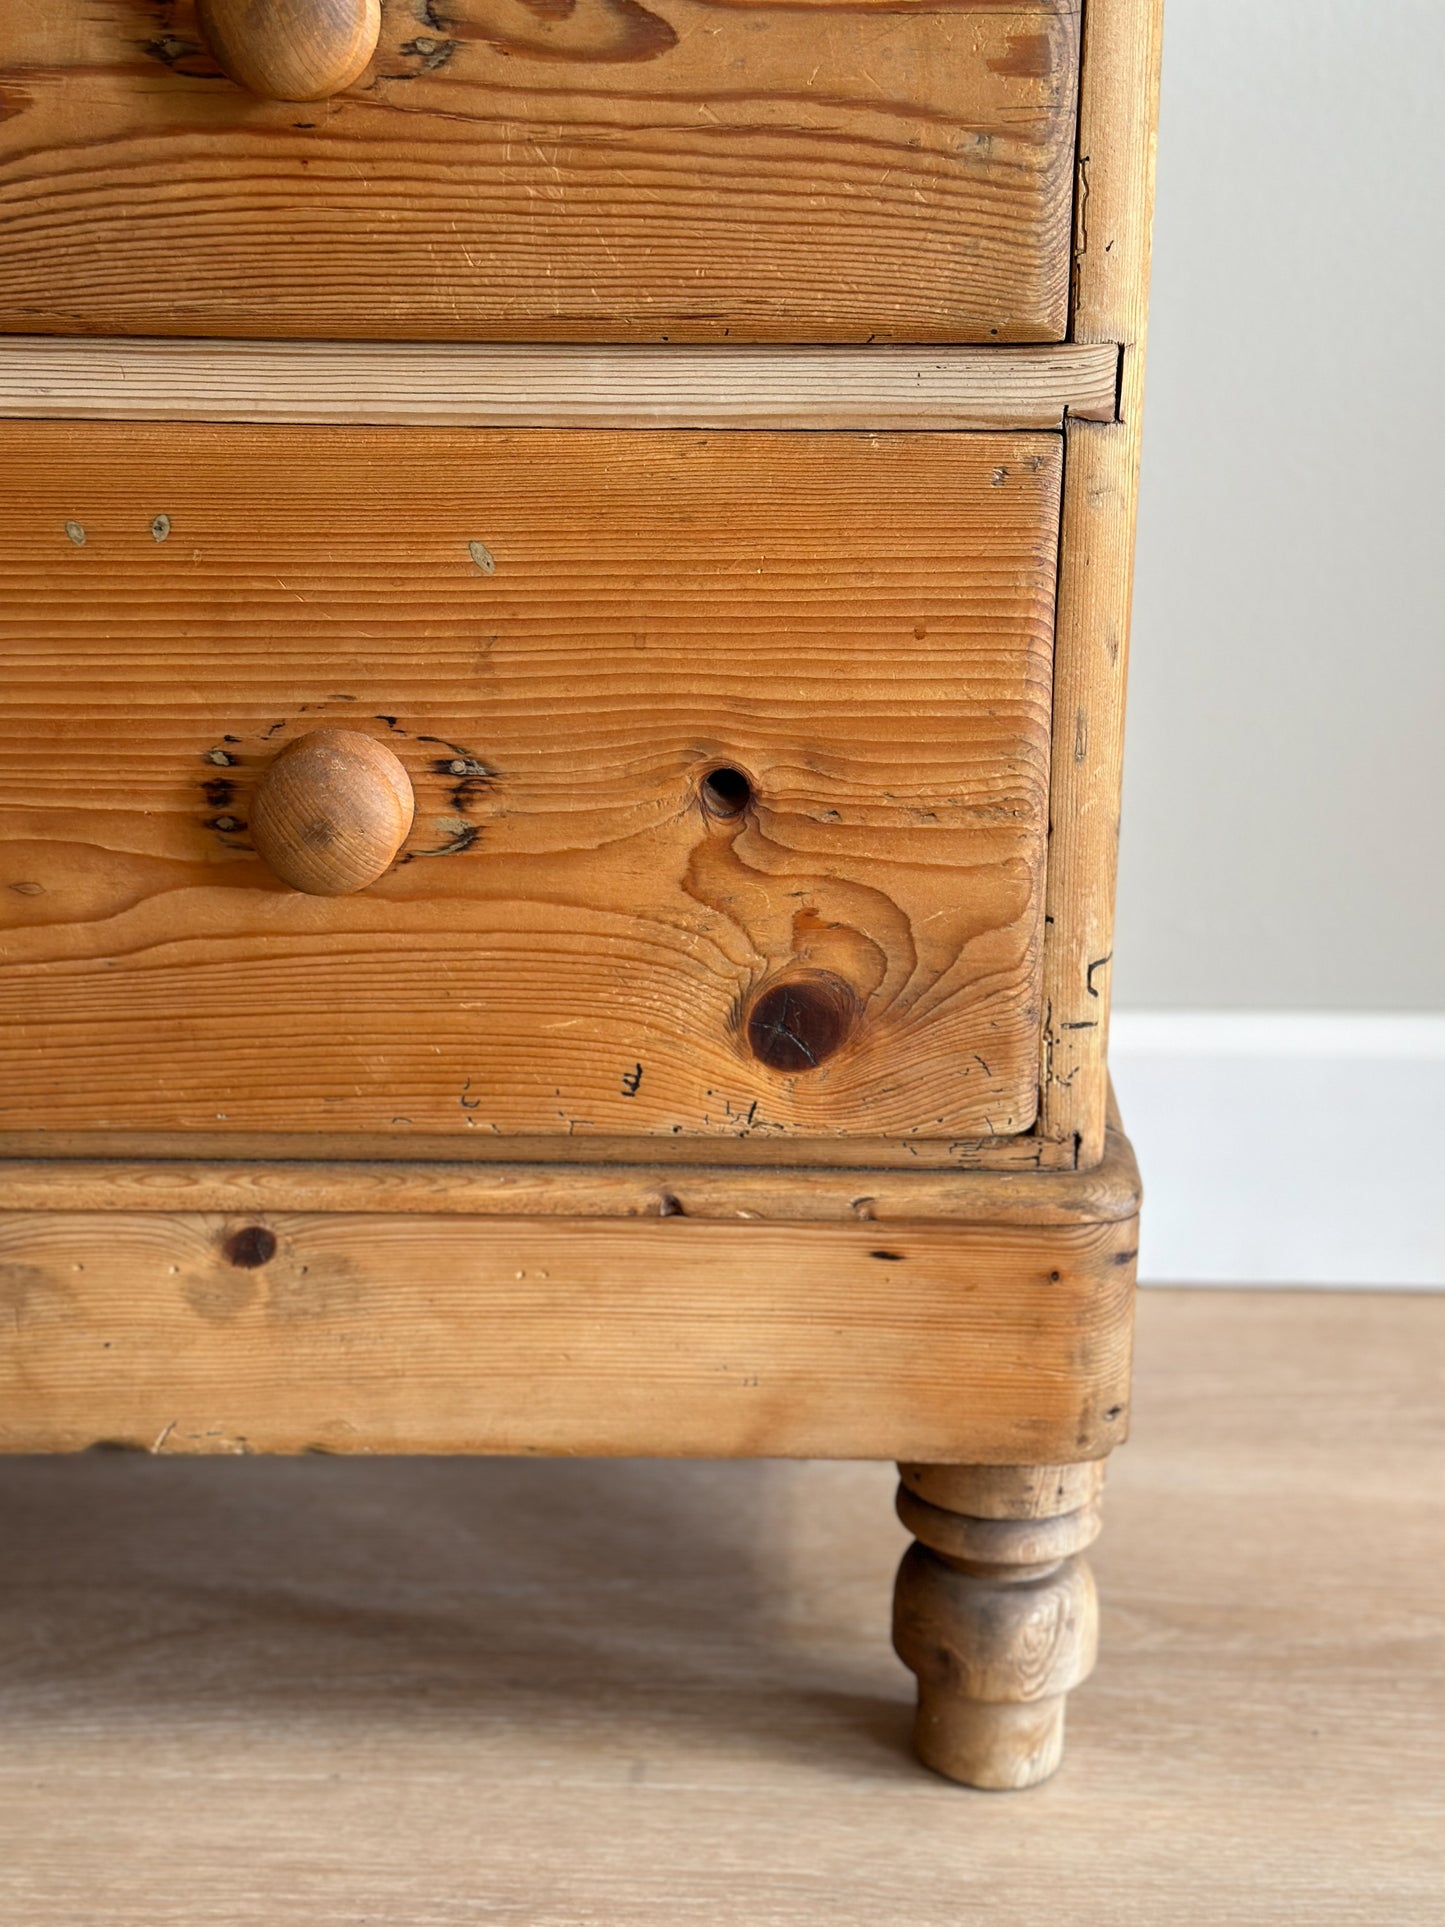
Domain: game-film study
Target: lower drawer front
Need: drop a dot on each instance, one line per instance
(730, 764)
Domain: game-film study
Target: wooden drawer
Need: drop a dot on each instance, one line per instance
(684, 170)
(563, 636)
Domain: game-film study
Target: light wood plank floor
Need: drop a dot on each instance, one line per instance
(406, 1694)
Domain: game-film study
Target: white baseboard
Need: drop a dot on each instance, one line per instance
(1286, 1148)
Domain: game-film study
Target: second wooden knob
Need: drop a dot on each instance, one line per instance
(332, 811)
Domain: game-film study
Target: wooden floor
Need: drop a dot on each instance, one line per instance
(420, 1694)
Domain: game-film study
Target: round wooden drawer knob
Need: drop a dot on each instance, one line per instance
(331, 812)
(292, 49)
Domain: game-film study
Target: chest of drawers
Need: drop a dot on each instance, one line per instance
(563, 611)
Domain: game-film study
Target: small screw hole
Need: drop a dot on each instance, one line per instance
(726, 792)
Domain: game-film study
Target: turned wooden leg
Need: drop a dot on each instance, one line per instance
(996, 1613)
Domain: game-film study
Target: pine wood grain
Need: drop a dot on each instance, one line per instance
(1023, 1155)
(580, 1188)
(679, 170)
(315, 1692)
(560, 636)
(508, 385)
(1114, 210)
(186, 1332)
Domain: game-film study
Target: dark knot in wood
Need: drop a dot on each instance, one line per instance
(797, 1024)
(251, 1246)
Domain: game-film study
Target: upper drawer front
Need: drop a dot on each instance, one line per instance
(561, 635)
(684, 170)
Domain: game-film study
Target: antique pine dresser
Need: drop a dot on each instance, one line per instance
(564, 582)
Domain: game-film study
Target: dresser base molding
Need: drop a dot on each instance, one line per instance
(944, 1159)
(1000, 1334)
(784, 1192)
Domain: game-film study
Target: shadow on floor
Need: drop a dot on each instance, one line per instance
(662, 1594)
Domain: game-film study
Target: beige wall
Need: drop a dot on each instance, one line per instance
(1284, 812)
